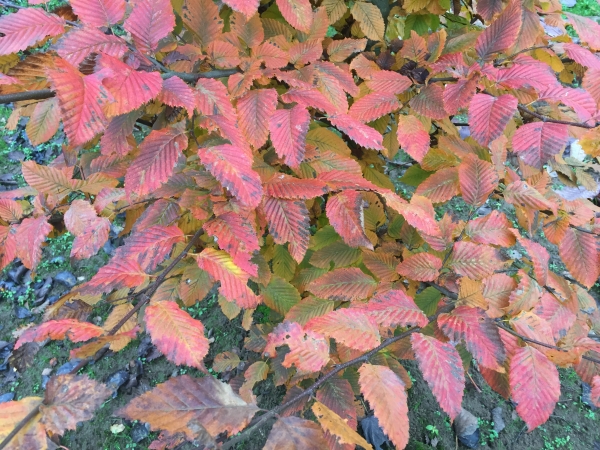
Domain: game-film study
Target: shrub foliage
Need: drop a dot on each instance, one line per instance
(255, 146)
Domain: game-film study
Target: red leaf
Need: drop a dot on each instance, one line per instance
(559, 317)
(175, 92)
(496, 291)
(413, 137)
(60, 329)
(521, 194)
(150, 246)
(430, 102)
(176, 334)
(236, 235)
(309, 98)
(442, 368)
(491, 229)
(288, 221)
(459, 95)
(540, 258)
(341, 49)
(129, 88)
(360, 133)
(538, 142)
(582, 56)
(579, 252)
(479, 332)
(346, 215)
(232, 166)
(255, 109)
(392, 309)
(288, 133)
(149, 22)
(524, 73)
(587, 29)
(118, 273)
(272, 56)
(246, 7)
(309, 352)
(386, 394)
(418, 213)
(297, 12)
(80, 99)
(26, 27)
(30, 236)
(212, 97)
(79, 43)
(489, 115)
(156, 160)
(234, 281)
(502, 32)
(351, 327)
(578, 99)
(338, 180)
(421, 267)
(118, 135)
(534, 385)
(91, 231)
(373, 106)
(477, 179)
(388, 81)
(489, 8)
(99, 13)
(595, 395)
(473, 260)
(288, 187)
(441, 186)
(343, 285)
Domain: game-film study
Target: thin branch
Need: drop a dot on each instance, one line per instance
(524, 109)
(526, 339)
(363, 358)
(28, 95)
(514, 55)
(146, 296)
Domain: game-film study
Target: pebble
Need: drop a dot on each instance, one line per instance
(373, 433)
(22, 313)
(17, 273)
(67, 367)
(116, 380)
(66, 279)
(466, 427)
(7, 397)
(44, 289)
(498, 420)
(586, 396)
(139, 432)
(47, 371)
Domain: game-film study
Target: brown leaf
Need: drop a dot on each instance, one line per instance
(191, 405)
(32, 436)
(71, 399)
(293, 433)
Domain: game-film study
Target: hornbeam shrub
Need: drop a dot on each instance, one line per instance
(256, 145)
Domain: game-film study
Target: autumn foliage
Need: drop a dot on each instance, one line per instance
(268, 131)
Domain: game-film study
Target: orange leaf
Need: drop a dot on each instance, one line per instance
(473, 260)
(360, 133)
(258, 371)
(91, 231)
(117, 274)
(176, 334)
(297, 12)
(351, 327)
(346, 215)
(30, 235)
(309, 351)
(392, 309)
(288, 187)
(150, 246)
(60, 329)
(522, 194)
(385, 393)
(232, 166)
(579, 252)
(180, 403)
(71, 399)
(442, 368)
(373, 106)
(44, 121)
(491, 229)
(430, 102)
(534, 385)
(441, 186)
(479, 333)
(201, 17)
(477, 179)
(32, 435)
(413, 137)
(420, 267)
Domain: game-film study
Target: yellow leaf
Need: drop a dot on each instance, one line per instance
(334, 424)
(371, 21)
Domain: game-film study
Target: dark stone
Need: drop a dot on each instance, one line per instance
(116, 380)
(7, 285)
(66, 279)
(139, 432)
(57, 260)
(27, 278)
(498, 420)
(108, 248)
(43, 290)
(16, 156)
(7, 397)
(466, 426)
(586, 396)
(45, 379)
(3, 344)
(22, 313)
(373, 433)
(67, 367)
(53, 299)
(4, 366)
(16, 273)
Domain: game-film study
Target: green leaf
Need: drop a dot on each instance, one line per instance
(428, 300)
(280, 295)
(414, 176)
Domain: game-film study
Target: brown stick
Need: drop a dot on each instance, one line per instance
(147, 295)
(524, 109)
